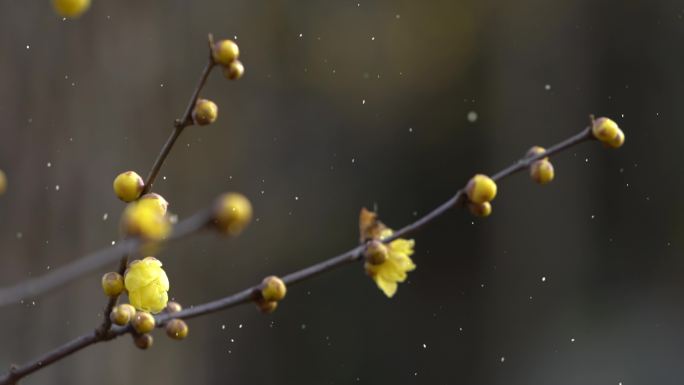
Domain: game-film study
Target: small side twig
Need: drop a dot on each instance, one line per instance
(180, 124)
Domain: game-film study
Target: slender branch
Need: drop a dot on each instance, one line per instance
(251, 293)
(179, 125)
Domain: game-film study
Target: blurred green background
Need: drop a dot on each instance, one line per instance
(347, 104)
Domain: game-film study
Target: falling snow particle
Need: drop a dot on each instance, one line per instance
(105, 216)
(502, 359)
(472, 116)
(363, 101)
(547, 87)
(543, 279)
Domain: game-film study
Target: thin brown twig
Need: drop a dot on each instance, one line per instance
(180, 124)
(251, 293)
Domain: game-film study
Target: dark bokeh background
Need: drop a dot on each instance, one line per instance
(577, 282)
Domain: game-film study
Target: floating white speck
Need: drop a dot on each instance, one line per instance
(547, 87)
(20, 235)
(49, 164)
(502, 359)
(543, 279)
(472, 116)
(105, 216)
(572, 340)
(363, 101)
(56, 187)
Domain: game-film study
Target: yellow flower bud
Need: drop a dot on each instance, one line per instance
(121, 315)
(605, 129)
(375, 253)
(147, 285)
(70, 8)
(480, 209)
(143, 341)
(173, 307)
(205, 112)
(232, 213)
(273, 289)
(3, 182)
(536, 150)
(234, 70)
(145, 220)
(128, 186)
(143, 322)
(542, 172)
(480, 189)
(266, 307)
(156, 201)
(225, 52)
(177, 329)
(112, 284)
(617, 141)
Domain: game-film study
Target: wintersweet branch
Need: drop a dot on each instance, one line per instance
(178, 127)
(252, 293)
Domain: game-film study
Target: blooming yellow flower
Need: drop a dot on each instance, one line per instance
(147, 285)
(393, 270)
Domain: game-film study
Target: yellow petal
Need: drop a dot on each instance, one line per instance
(387, 287)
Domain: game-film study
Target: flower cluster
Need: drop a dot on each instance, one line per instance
(226, 53)
(608, 132)
(541, 171)
(271, 291)
(387, 264)
(481, 190)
